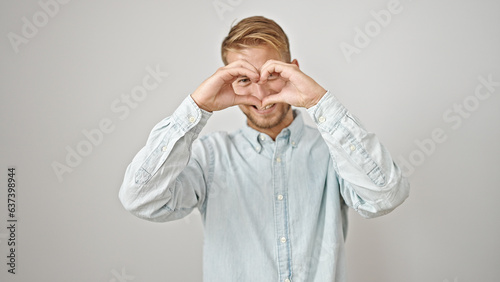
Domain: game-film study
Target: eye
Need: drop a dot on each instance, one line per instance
(243, 80)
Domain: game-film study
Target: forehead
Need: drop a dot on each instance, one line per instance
(256, 56)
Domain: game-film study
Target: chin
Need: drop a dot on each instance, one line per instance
(275, 116)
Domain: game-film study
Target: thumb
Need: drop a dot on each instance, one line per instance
(272, 99)
(247, 100)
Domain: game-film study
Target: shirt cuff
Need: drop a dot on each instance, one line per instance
(190, 117)
(327, 112)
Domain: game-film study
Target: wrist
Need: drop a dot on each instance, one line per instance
(199, 103)
(320, 93)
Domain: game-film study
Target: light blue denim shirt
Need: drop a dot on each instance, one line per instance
(272, 210)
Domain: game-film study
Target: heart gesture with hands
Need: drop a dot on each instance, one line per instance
(217, 93)
(262, 85)
(299, 90)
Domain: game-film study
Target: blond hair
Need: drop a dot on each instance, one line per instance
(255, 31)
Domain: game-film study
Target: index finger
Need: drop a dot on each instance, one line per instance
(231, 74)
(242, 63)
(273, 66)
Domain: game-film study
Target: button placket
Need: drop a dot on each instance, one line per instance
(281, 205)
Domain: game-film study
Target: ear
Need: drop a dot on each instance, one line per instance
(295, 62)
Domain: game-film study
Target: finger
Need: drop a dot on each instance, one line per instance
(273, 99)
(231, 74)
(266, 69)
(244, 64)
(247, 100)
(270, 67)
(270, 62)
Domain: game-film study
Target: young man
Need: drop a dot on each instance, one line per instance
(273, 196)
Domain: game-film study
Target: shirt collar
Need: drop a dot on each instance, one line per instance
(292, 133)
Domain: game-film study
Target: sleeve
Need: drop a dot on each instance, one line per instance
(370, 182)
(164, 182)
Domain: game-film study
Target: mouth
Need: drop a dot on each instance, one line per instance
(264, 110)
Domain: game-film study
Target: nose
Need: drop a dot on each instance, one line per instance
(260, 90)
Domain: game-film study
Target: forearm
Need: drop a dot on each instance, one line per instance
(370, 181)
(150, 188)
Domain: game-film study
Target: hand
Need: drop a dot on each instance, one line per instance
(300, 90)
(216, 93)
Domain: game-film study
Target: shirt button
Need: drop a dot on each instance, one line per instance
(278, 159)
(262, 137)
(293, 143)
(280, 197)
(192, 119)
(164, 148)
(321, 119)
(283, 240)
(287, 280)
(257, 148)
(352, 147)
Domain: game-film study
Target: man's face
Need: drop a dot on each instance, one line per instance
(274, 117)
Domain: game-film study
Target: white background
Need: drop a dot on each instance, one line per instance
(65, 78)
